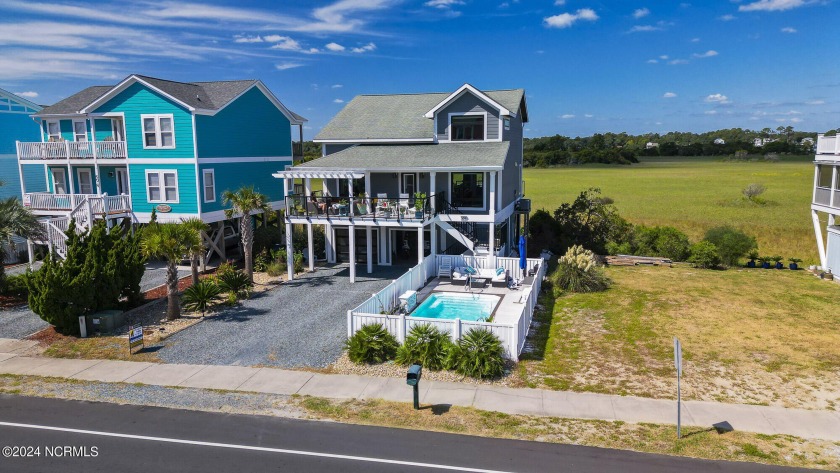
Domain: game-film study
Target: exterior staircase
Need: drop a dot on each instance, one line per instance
(464, 232)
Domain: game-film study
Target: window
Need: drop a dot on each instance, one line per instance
(59, 181)
(158, 131)
(209, 185)
(468, 190)
(507, 124)
(162, 186)
(467, 127)
(53, 131)
(824, 176)
(85, 181)
(408, 184)
(79, 130)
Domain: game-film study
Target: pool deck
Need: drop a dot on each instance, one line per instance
(507, 312)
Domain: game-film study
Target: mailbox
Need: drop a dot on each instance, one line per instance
(413, 376)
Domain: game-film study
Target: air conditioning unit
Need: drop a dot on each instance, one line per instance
(523, 205)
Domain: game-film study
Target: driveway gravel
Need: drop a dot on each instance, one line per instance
(302, 323)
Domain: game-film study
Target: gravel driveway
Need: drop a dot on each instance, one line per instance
(299, 324)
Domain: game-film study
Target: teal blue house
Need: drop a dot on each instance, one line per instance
(151, 144)
(15, 125)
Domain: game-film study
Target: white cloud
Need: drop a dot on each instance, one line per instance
(717, 98)
(789, 120)
(695, 40)
(443, 3)
(28, 95)
(677, 62)
(336, 86)
(711, 112)
(287, 65)
(565, 20)
(815, 102)
(559, 3)
(567, 116)
(709, 53)
(364, 49)
(247, 39)
(284, 43)
(641, 13)
(589, 115)
(338, 101)
(652, 61)
(644, 28)
(669, 95)
(335, 47)
(788, 29)
(772, 5)
(312, 51)
(664, 57)
(726, 17)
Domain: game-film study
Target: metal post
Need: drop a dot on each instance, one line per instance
(679, 410)
(310, 237)
(417, 396)
(369, 242)
(351, 233)
(290, 256)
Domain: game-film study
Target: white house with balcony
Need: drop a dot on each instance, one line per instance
(826, 200)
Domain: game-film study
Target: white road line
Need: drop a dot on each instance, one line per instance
(249, 447)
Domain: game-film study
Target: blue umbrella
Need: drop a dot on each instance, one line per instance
(522, 257)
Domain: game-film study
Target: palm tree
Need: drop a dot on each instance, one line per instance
(246, 202)
(195, 245)
(15, 219)
(170, 242)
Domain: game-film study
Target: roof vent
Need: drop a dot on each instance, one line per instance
(197, 97)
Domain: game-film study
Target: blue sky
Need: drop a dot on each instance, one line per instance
(587, 66)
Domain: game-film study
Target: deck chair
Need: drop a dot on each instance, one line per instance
(403, 204)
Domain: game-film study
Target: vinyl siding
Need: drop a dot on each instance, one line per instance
(330, 149)
(10, 176)
(103, 129)
(468, 103)
(186, 187)
(511, 174)
(137, 100)
(250, 126)
(33, 178)
(109, 184)
(232, 176)
(14, 127)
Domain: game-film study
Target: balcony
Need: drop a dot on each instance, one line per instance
(828, 148)
(28, 151)
(42, 203)
(380, 208)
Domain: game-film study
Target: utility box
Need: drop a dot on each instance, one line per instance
(106, 321)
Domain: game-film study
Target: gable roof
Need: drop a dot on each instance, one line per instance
(401, 116)
(20, 100)
(194, 96)
(483, 155)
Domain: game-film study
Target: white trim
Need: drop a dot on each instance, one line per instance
(79, 172)
(301, 169)
(198, 185)
(204, 174)
(124, 85)
(461, 91)
(378, 140)
(52, 171)
(414, 177)
(145, 217)
(23, 101)
(218, 215)
(162, 186)
(483, 190)
(48, 134)
(124, 172)
(463, 114)
(73, 126)
(161, 160)
(247, 159)
(114, 128)
(158, 131)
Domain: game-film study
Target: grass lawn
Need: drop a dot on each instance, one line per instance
(749, 336)
(695, 194)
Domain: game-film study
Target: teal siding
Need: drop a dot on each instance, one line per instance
(137, 100)
(14, 127)
(250, 126)
(10, 176)
(34, 178)
(232, 176)
(186, 187)
(103, 129)
(109, 183)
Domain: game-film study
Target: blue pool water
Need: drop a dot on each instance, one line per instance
(451, 305)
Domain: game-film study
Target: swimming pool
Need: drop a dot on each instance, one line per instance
(452, 305)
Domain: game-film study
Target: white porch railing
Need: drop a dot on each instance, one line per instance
(71, 150)
(100, 204)
(377, 309)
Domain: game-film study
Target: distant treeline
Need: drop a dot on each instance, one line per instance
(622, 148)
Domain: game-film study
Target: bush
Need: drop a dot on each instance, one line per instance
(265, 238)
(275, 269)
(15, 286)
(371, 344)
(577, 272)
(235, 283)
(425, 345)
(752, 191)
(262, 260)
(704, 255)
(732, 244)
(479, 354)
(298, 262)
(667, 242)
(199, 297)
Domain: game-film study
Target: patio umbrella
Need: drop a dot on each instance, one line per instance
(522, 261)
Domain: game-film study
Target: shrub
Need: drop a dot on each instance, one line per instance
(704, 255)
(614, 248)
(199, 297)
(479, 354)
(371, 344)
(752, 191)
(262, 260)
(298, 262)
(275, 269)
(15, 286)
(577, 272)
(235, 283)
(732, 244)
(667, 242)
(425, 345)
(265, 238)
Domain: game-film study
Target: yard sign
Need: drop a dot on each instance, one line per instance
(135, 336)
(678, 366)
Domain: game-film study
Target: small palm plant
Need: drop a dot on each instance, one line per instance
(371, 344)
(195, 244)
(479, 354)
(244, 203)
(167, 241)
(753, 255)
(425, 345)
(200, 297)
(778, 260)
(236, 284)
(794, 263)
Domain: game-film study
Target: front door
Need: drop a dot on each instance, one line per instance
(117, 129)
(408, 184)
(122, 181)
(59, 178)
(85, 181)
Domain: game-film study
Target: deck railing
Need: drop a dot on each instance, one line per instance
(822, 196)
(71, 150)
(828, 144)
(381, 207)
(99, 204)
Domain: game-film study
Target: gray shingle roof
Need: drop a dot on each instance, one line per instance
(398, 116)
(200, 95)
(414, 156)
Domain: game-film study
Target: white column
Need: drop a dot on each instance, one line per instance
(492, 198)
(434, 237)
(816, 182)
(325, 187)
(307, 188)
(820, 244)
(491, 242)
(419, 245)
(352, 238)
(432, 187)
(367, 184)
(31, 251)
(369, 241)
(69, 178)
(833, 186)
(329, 241)
(310, 240)
(290, 255)
(96, 176)
(383, 246)
(499, 195)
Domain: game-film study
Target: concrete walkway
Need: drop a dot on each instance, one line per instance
(760, 419)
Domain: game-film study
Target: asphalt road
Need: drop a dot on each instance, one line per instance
(143, 439)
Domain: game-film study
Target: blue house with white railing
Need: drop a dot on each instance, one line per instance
(120, 152)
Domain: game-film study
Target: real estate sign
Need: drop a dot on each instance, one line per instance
(135, 336)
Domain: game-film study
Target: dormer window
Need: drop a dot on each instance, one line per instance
(467, 127)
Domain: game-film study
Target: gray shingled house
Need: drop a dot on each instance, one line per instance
(407, 175)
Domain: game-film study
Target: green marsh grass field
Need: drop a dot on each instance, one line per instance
(694, 194)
